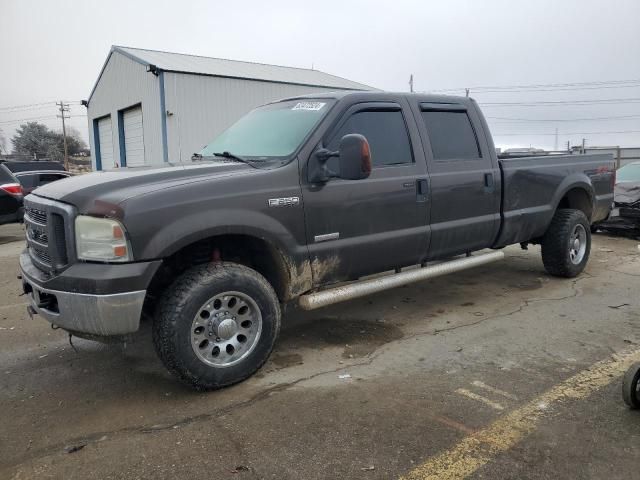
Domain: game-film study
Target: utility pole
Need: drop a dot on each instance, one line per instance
(584, 140)
(64, 108)
(466, 90)
(411, 83)
(568, 146)
(555, 145)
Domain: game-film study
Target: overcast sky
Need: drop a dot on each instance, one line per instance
(52, 50)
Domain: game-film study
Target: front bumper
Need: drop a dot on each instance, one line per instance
(100, 314)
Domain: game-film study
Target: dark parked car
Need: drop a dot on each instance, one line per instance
(625, 216)
(32, 180)
(10, 197)
(21, 166)
(32, 175)
(297, 196)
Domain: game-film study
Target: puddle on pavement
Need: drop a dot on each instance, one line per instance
(359, 337)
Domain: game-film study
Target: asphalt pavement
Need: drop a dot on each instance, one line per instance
(497, 372)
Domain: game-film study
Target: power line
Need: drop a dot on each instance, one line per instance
(568, 89)
(27, 106)
(573, 85)
(564, 133)
(33, 119)
(28, 119)
(33, 106)
(618, 117)
(545, 103)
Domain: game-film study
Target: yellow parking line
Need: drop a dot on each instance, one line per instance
(481, 447)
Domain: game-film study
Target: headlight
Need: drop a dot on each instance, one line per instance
(101, 239)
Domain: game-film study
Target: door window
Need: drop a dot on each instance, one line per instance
(386, 133)
(451, 135)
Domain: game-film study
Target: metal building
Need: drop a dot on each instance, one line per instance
(148, 107)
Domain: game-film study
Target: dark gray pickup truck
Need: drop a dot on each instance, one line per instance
(297, 201)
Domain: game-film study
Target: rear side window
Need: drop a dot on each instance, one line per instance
(29, 180)
(6, 176)
(451, 135)
(386, 133)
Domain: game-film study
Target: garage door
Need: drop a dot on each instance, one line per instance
(133, 137)
(105, 141)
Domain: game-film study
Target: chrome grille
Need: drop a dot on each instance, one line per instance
(37, 215)
(49, 232)
(38, 236)
(42, 256)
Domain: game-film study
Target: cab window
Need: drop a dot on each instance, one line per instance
(386, 133)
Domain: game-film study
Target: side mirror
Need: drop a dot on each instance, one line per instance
(354, 160)
(355, 157)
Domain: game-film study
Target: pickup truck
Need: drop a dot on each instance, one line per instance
(296, 203)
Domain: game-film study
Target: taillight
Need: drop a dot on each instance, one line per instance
(12, 188)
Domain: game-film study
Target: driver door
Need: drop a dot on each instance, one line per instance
(359, 227)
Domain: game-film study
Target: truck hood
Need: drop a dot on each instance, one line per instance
(90, 193)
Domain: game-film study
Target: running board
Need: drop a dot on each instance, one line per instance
(311, 301)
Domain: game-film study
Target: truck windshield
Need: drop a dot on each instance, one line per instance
(271, 131)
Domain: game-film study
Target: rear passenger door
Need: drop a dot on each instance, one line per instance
(358, 227)
(464, 180)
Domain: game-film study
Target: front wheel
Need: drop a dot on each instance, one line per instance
(216, 325)
(567, 243)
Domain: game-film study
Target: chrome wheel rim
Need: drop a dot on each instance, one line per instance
(577, 244)
(226, 329)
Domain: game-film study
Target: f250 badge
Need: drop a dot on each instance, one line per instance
(284, 202)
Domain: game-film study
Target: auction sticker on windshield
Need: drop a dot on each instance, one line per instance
(308, 106)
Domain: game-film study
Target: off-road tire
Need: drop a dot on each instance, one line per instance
(630, 393)
(181, 303)
(556, 243)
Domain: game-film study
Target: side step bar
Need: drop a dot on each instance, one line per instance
(311, 301)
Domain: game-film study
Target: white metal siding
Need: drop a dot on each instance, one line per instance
(123, 84)
(133, 137)
(105, 138)
(202, 107)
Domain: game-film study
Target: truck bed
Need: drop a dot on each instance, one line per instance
(533, 186)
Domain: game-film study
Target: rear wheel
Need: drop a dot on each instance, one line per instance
(567, 243)
(216, 325)
(631, 386)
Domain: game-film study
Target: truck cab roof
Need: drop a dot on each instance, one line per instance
(364, 96)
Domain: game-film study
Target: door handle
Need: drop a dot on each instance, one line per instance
(488, 183)
(422, 189)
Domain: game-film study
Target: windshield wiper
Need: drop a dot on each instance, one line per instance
(231, 156)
